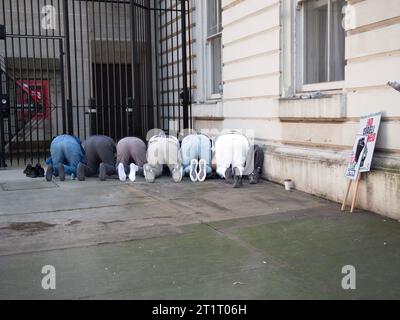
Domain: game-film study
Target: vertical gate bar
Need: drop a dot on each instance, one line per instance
(149, 71)
(63, 95)
(144, 74)
(126, 32)
(29, 88)
(7, 90)
(178, 59)
(121, 134)
(190, 123)
(61, 75)
(42, 95)
(160, 44)
(145, 118)
(82, 108)
(89, 65)
(156, 80)
(101, 72)
(94, 68)
(49, 84)
(10, 145)
(184, 66)
(171, 75)
(29, 95)
(137, 74)
(29, 100)
(68, 69)
(134, 18)
(141, 82)
(140, 64)
(108, 70)
(75, 51)
(114, 70)
(35, 82)
(14, 84)
(168, 65)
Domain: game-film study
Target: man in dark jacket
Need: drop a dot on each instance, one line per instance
(100, 158)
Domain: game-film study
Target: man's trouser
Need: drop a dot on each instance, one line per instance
(196, 146)
(65, 149)
(163, 150)
(254, 160)
(231, 150)
(131, 150)
(99, 149)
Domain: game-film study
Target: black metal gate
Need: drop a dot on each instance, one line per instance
(85, 67)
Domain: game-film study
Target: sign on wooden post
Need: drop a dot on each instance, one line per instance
(362, 154)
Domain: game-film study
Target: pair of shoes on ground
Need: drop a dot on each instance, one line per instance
(234, 176)
(34, 172)
(50, 172)
(176, 173)
(133, 168)
(198, 170)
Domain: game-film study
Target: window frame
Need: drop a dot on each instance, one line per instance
(204, 68)
(298, 44)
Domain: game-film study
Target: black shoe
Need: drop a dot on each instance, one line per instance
(229, 175)
(237, 178)
(49, 173)
(254, 177)
(80, 172)
(102, 172)
(39, 171)
(61, 172)
(34, 173)
(28, 170)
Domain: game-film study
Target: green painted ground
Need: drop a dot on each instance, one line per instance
(300, 258)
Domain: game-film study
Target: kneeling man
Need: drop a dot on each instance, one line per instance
(100, 158)
(66, 153)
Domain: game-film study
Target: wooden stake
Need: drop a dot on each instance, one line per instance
(353, 203)
(347, 195)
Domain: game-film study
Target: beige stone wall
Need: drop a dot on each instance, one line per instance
(309, 141)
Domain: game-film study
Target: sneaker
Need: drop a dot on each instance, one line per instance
(229, 175)
(102, 172)
(149, 174)
(201, 176)
(237, 178)
(121, 172)
(177, 173)
(132, 174)
(61, 172)
(49, 173)
(80, 172)
(194, 164)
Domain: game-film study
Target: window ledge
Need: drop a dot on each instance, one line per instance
(326, 108)
(323, 86)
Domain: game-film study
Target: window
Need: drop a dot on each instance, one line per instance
(214, 46)
(323, 41)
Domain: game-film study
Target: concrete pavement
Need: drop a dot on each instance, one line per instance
(111, 240)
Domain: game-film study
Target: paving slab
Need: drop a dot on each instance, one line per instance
(113, 240)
